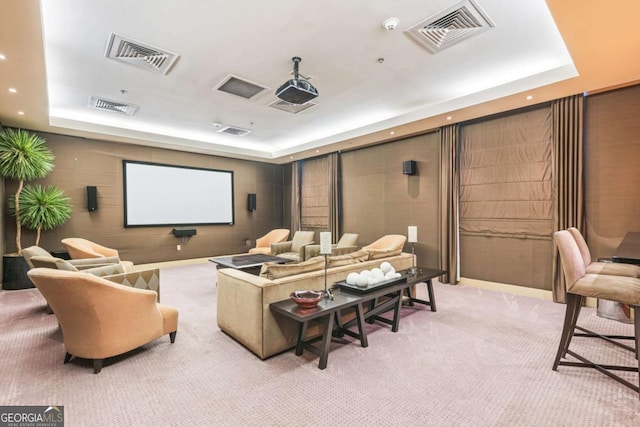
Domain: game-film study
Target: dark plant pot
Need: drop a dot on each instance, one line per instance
(14, 273)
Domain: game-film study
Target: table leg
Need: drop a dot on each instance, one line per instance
(361, 327)
(432, 298)
(396, 312)
(302, 332)
(326, 341)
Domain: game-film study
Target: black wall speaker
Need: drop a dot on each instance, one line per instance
(251, 202)
(92, 198)
(409, 167)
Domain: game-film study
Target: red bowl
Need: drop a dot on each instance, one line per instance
(306, 299)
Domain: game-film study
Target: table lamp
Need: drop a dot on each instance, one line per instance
(325, 249)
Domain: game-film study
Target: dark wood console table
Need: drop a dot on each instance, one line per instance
(345, 297)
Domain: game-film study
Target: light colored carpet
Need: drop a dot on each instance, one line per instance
(484, 359)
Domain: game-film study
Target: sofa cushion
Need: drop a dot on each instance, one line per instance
(272, 271)
(383, 253)
(346, 259)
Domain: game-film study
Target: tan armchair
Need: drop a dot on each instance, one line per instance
(80, 248)
(100, 319)
(80, 264)
(348, 243)
(293, 249)
(146, 279)
(263, 244)
(388, 245)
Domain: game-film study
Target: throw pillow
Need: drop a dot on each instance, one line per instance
(275, 271)
(383, 253)
(346, 259)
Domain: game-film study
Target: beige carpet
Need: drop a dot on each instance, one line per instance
(484, 359)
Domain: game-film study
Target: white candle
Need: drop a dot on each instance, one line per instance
(325, 242)
(413, 234)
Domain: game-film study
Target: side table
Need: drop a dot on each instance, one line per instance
(326, 311)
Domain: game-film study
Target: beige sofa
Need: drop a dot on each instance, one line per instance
(243, 302)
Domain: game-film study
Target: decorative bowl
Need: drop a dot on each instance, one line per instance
(306, 299)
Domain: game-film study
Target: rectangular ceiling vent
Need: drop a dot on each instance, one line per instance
(291, 108)
(113, 106)
(240, 87)
(450, 26)
(139, 54)
(235, 131)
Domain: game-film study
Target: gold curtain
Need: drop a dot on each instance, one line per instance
(295, 196)
(334, 196)
(568, 164)
(449, 204)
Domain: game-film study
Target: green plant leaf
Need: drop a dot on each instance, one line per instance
(45, 207)
(24, 156)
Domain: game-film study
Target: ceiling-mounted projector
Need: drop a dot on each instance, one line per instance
(296, 90)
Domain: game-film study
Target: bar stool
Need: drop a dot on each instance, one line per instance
(625, 290)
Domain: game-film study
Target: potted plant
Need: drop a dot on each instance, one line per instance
(23, 157)
(42, 208)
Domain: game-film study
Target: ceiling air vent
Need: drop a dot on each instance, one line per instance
(139, 54)
(114, 106)
(240, 87)
(231, 130)
(291, 108)
(450, 26)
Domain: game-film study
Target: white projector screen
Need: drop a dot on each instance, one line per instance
(166, 195)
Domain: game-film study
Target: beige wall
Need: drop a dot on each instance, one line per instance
(612, 168)
(81, 162)
(379, 199)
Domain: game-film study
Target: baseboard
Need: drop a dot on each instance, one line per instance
(168, 264)
(516, 290)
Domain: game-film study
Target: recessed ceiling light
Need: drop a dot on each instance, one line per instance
(12, 90)
(529, 98)
(21, 113)
(392, 133)
(449, 117)
(317, 151)
(2, 56)
(291, 157)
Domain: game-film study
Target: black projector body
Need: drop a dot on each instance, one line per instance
(297, 91)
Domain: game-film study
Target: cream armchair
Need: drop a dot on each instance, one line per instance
(100, 319)
(146, 279)
(293, 249)
(348, 243)
(263, 244)
(388, 245)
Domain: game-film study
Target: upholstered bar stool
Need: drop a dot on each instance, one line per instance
(580, 284)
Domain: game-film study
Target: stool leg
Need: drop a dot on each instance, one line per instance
(574, 302)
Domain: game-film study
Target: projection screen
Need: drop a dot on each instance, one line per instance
(166, 195)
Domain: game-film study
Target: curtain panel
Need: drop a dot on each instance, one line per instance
(568, 165)
(449, 195)
(295, 196)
